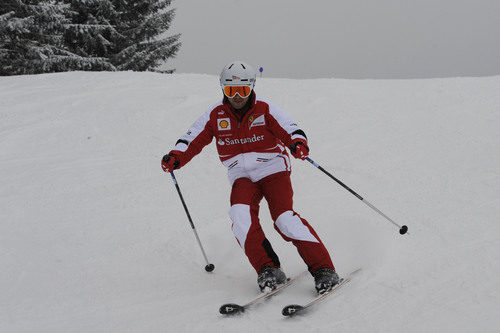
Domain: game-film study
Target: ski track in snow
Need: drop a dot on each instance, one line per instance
(93, 237)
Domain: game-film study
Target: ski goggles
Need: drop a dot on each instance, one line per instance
(243, 91)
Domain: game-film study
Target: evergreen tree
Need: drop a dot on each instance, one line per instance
(140, 44)
(28, 36)
(31, 38)
(91, 31)
(39, 36)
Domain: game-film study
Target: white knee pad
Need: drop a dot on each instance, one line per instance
(242, 220)
(291, 226)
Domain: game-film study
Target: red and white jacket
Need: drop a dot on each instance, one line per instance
(251, 146)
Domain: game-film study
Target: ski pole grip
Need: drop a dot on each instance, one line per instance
(312, 162)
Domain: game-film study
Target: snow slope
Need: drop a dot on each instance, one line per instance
(93, 237)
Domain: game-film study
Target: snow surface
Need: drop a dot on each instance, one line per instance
(93, 237)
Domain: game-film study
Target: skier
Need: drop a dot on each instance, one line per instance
(251, 136)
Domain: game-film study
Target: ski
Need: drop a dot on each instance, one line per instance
(232, 308)
(293, 309)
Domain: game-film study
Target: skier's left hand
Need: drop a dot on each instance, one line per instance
(299, 149)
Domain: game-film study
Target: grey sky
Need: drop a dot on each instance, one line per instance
(345, 39)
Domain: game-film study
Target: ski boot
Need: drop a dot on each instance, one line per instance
(270, 277)
(325, 279)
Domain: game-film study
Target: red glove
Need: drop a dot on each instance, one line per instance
(299, 148)
(170, 162)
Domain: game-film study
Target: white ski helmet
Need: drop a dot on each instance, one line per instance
(238, 73)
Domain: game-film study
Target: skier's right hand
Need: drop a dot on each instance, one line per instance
(170, 162)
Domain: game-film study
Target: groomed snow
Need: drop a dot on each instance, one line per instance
(93, 237)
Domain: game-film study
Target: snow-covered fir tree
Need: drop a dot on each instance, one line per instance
(40, 36)
(141, 43)
(124, 34)
(91, 31)
(31, 38)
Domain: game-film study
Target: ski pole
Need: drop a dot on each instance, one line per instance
(209, 267)
(402, 229)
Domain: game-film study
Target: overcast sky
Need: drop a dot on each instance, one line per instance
(344, 39)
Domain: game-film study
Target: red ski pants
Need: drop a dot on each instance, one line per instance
(277, 189)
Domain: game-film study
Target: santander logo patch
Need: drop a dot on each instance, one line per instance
(228, 141)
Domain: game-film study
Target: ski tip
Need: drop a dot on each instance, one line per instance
(291, 310)
(230, 309)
